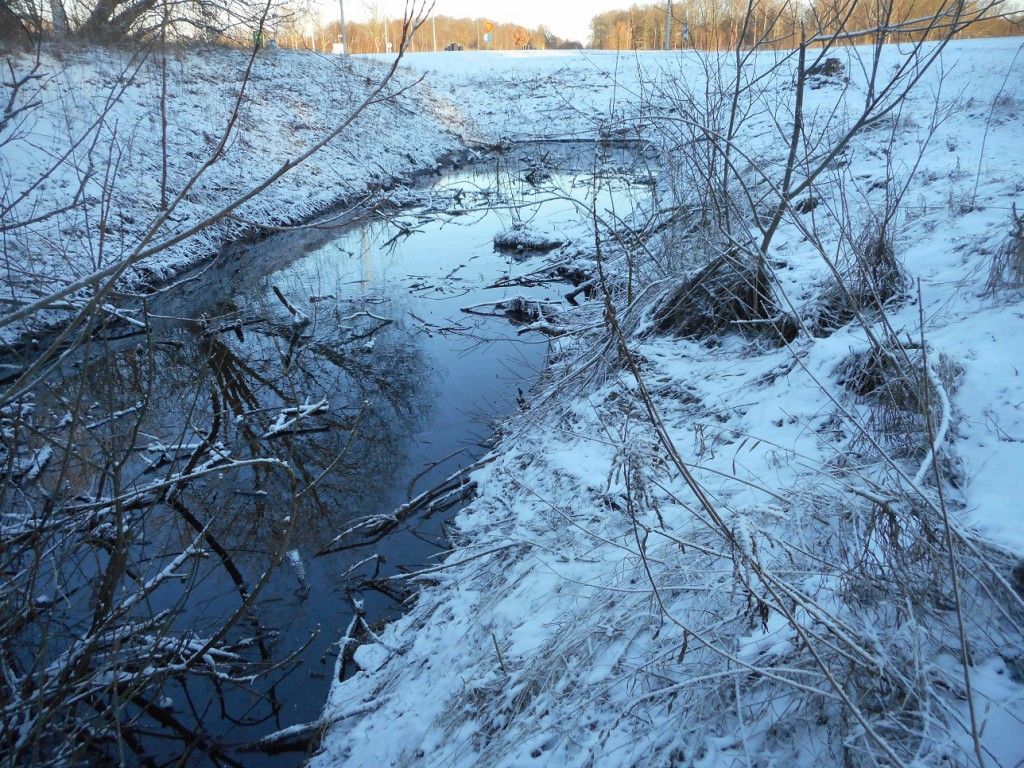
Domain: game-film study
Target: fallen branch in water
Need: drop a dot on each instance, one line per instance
(441, 497)
(518, 309)
(285, 424)
(299, 318)
(304, 736)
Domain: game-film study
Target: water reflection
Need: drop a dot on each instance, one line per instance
(345, 353)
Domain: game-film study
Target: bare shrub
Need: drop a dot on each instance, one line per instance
(1007, 270)
(866, 280)
(723, 297)
(903, 396)
(109, 532)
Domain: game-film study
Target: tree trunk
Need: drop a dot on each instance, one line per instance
(113, 19)
(12, 28)
(60, 18)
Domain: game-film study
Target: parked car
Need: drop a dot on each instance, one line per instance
(453, 47)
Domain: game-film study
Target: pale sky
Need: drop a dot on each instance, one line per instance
(566, 18)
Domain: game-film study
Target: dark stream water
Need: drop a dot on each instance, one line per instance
(403, 389)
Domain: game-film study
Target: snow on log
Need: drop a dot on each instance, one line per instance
(521, 239)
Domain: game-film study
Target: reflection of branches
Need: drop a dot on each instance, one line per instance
(402, 234)
(382, 323)
(233, 375)
(454, 490)
(188, 734)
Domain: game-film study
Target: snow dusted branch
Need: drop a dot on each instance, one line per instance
(289, 418)
(299, 318)
(104, 279)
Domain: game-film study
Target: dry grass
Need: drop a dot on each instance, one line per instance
(720, 298)
(1007, 271)
(868, 279)
(894, 383)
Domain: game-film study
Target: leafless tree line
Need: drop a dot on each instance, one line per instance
(310, 31)
(724, 24)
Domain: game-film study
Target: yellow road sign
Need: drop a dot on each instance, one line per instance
(488, 26)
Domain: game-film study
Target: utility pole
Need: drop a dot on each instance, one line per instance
(433, 24)
(668, 26)
(344, 32)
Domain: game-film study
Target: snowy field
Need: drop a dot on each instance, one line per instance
(702, 543)
(535, 95)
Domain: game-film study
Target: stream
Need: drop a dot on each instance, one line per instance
(345, 349)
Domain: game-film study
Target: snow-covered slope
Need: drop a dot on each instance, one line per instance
(82, 157)
(739, 553)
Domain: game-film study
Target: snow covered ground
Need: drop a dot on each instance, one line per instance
(762, 578)
(532, 95)
(711, 548)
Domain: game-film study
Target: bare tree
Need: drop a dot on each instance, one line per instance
(113, 20)
(102, 548)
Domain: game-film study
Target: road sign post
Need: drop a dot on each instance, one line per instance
(344, 32)
(668, 26)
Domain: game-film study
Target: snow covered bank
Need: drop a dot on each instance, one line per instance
(726, 539)
(87, 167)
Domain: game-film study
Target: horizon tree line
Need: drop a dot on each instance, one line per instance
(723, 24)
(712, 24)
(373, 35)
